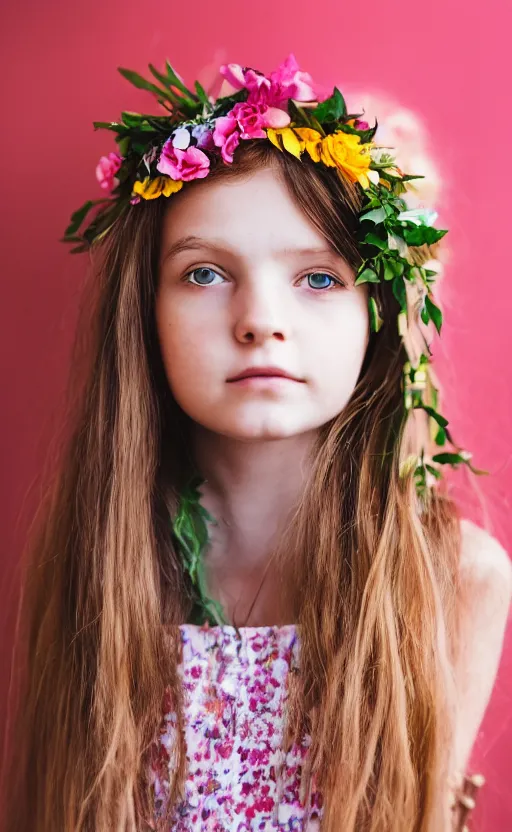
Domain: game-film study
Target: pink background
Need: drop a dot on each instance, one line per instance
(447, 60)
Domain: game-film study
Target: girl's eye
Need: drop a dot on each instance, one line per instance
(204, 276)
(320, 280)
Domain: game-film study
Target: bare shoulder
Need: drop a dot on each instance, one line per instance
(486, 584)
(483, 559)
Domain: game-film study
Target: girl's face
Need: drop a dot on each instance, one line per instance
(245, 282)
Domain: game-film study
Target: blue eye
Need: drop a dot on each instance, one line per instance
(204, 276)
(313, 277)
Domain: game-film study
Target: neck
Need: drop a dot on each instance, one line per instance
(252, 490)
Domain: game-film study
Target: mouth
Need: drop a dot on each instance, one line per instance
(264, 373)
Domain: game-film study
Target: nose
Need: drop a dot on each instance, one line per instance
(261, 313)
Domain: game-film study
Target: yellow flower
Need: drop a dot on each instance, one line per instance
(345, 152)
(296, 139)
(285, 137)
(312, 141)
(152, 188)
(338, 150)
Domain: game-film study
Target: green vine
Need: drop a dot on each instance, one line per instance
(191, 535)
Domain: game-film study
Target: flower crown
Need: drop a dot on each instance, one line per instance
(157, 154)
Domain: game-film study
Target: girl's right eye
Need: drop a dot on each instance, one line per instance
(204, 276)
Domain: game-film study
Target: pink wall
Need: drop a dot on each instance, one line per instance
(446, 59)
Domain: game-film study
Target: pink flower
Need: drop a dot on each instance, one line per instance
(361, 125)
(183, 164)
(286, 82)
(252, 118)
(295, 83)
(226, 136)
(234, 74)
(106, 169)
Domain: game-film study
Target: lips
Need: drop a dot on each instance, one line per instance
(253, 372)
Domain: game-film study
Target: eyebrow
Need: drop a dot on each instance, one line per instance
(191, 243)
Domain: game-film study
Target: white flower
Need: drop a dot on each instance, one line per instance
(381, 155)
(419, 216)
(181, 138)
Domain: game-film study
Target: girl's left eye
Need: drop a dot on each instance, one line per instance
(204, 276)
(316, 280)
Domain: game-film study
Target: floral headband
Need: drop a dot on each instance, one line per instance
(157, 154)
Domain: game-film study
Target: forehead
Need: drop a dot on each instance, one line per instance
(252, 214)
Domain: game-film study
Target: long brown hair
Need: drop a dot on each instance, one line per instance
(375, 584)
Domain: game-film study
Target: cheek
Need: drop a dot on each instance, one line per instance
(337, 353)
(174, 339)
(184, 338)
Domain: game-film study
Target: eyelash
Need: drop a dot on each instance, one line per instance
(336, 280)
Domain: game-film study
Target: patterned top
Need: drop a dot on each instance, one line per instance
(235, 693)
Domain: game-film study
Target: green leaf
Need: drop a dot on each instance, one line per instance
(389, 272)
(367, 135)
(124, 145)
(73, 238)
(107, 125)
(424, 315)
(441, 437)
(399, 292)
(332, 109)
(367, 276)
(434, 471)
(141, 84)
(191, 533)
(315, 124)
(104, 220)
(372, 203)
(375, 319)
(436, 416)
(448, 459)
(377, 215)
(374, 240)
(397, 266)
(138, 121)
(422, 235)
(176, 81)
(202, 94)
(164, 80)
(186, 100)
(78, 216)
(435, 313)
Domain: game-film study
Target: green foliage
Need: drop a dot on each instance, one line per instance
(332, 109)
(375, 319)
(191, 534)
(421, 234)
(367, 275)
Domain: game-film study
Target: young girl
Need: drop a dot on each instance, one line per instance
(249, 602)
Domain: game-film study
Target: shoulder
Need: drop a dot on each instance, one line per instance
(486, 588)
(483, 560)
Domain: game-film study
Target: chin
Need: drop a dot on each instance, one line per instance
(262, 429)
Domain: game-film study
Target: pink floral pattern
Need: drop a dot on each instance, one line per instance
(236, 687)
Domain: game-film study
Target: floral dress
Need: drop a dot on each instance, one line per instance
(235, 692)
